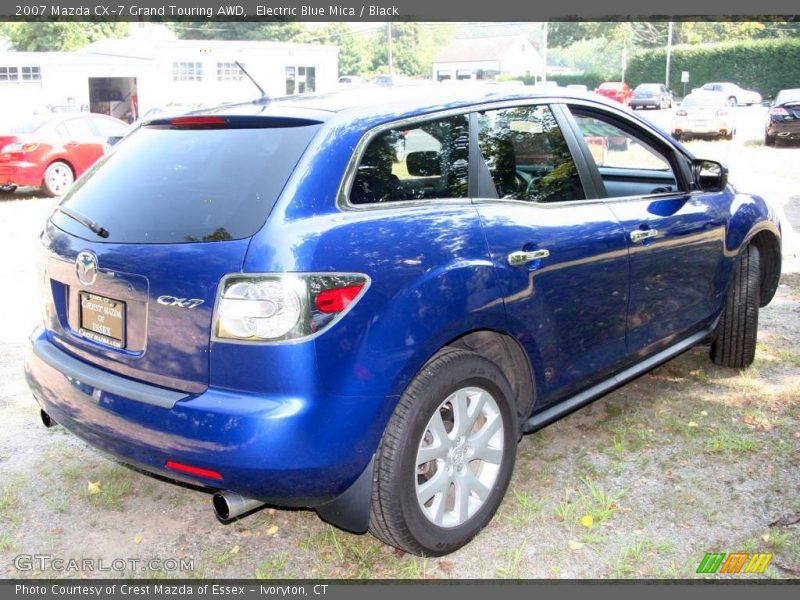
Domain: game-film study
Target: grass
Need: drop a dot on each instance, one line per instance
(512, 567)
(274, 567)
(9, 499)
(730, 442)
(115, 485)
(566, 509)
(524, 511)
(58, 502)
(600, 505)
(6, 541)
(226, 556)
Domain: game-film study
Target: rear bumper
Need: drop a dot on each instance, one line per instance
(710, 128)
(21, 174)
(785, 131)
(290, 451)
(635, 102)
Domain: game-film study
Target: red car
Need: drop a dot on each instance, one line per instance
(51, 151)
(616, 90)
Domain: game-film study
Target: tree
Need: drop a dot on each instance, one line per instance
(43, 36)
(239, 30)
(353, 50)
(414, 46)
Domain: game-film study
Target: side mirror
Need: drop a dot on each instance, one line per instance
(709, 175)
(424, 164)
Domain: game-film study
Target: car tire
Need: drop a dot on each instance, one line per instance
(7, 189)
(769, 140)
(58, 179)
(475, 454)
(735, 343)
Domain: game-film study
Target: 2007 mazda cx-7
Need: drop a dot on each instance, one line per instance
(359, 302)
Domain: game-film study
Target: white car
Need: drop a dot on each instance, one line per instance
(733, 93)
(704, 114)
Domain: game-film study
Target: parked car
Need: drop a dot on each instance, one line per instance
(783, 118)
(350, 80)
(577, 87)
(50, 151)
(370, 337)
(706, 114)
(615, 90)
(651, 94)
(733, 93)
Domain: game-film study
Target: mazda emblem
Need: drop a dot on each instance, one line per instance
(86, 267)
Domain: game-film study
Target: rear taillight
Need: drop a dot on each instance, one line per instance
(282, 307)
(778, 111)
(680, 113)
(19, 147)
(721, 112)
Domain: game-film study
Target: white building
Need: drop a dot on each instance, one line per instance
(129, 76)
(487, 58)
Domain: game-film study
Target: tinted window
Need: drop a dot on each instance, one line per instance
(425, 161)
(528, 156)
(168, 185)
(611, 146)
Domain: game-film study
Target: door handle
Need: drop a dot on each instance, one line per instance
(515, 259)
(642, 234)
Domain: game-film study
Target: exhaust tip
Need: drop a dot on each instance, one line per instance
(230, 505)
(47, 420)
(221, 507)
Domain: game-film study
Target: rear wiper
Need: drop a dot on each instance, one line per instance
(86, 222)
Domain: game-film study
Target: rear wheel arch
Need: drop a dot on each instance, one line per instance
(507, 353)
(66, 161)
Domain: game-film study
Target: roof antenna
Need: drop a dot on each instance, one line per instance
(264, 96)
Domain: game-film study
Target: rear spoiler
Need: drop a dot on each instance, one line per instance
(195, 121)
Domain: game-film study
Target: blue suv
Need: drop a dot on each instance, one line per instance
(359, 302)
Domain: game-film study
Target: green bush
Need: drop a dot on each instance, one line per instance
(590, 80)
(764, 65)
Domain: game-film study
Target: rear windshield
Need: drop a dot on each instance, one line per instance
(648, 87)
(186, 185)
(690, 101)
(788, 96)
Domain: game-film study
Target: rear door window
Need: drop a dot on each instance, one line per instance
(424, 161)
(164, 185)
(527, 155)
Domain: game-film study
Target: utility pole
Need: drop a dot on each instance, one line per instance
(391, 63)
(544, 50)
(669, 53)
(624, 59)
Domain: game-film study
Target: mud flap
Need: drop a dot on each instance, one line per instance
(350, 509)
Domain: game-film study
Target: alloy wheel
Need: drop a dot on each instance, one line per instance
(459, 457)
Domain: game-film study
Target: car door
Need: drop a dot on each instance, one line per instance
(561, 259)
(83, 145)
(675, 236)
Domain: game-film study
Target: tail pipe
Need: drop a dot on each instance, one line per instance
(229, 505)
(47, 420)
